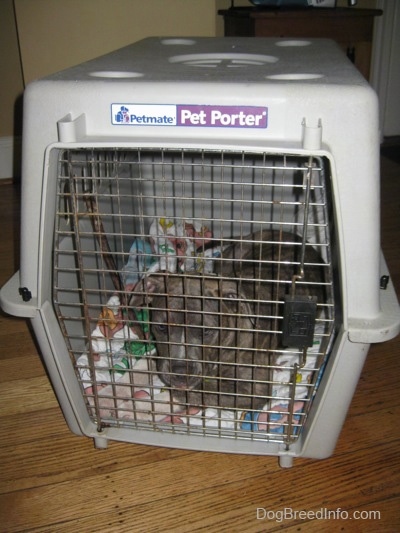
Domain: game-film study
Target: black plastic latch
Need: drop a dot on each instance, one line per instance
(299, 321)
(384, 282)
(25, 294)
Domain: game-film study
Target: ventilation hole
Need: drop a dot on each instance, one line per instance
(182, 42)
(115, 74)
(223, 60)
(293, 42)
(294, 77)
(203, 63)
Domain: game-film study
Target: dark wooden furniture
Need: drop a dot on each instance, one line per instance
(351, 28)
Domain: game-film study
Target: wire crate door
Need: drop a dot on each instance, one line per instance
(194, 288)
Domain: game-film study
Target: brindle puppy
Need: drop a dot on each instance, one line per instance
(215, 334)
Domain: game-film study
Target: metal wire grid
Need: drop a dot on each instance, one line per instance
(234, 194)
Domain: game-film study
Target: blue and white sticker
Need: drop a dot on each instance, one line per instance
(209, 116)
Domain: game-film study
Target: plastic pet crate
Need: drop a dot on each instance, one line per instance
(200, 249)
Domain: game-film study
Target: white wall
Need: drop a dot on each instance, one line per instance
(56, 34)
(386, 66)
(50, 35)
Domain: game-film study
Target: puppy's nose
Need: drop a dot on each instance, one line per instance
(182, 374)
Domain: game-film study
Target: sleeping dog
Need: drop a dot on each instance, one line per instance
(216, 334)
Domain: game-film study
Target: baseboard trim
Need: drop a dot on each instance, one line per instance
(10, 157)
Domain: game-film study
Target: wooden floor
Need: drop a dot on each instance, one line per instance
(52, 481)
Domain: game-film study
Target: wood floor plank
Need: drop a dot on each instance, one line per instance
(21, 367)
(28, 427)
(129, 487)
(11, 326)
(26, 395)
(219, 490)
(45, 459)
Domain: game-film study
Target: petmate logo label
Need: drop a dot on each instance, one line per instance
(208, 116)
(143, 115)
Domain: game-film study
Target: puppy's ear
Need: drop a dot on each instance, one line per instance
(142, 294)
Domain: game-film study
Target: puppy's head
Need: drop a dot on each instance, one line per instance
(193, 320)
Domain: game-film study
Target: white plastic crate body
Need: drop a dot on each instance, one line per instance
(277, 97)
(310, 84)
